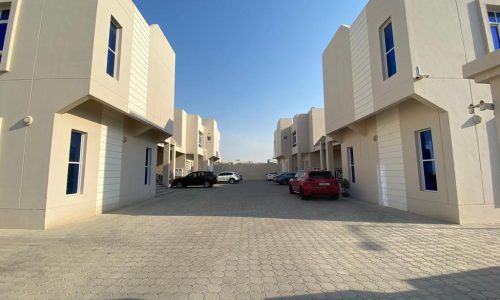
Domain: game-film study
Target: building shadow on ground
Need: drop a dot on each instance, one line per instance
(477, 284)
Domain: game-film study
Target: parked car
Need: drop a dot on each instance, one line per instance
(283, 178)
(205, 179)
(229, 177)
(314, 183)
(270, 176)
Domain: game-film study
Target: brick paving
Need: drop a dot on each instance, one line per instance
(252, 241)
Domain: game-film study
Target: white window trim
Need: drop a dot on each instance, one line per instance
(8, 47)
(147, 166)
(4, 22)
(116, 52)
(83, 141)
(351, 165)
(497, 24)
(421, 161)
(384, 50)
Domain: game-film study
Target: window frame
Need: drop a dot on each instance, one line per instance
(147, 166)
(117, 51)
(294, 139)
(80, 162)
(200, 139)
(6, 22)
(351, 164)
(421, 161)
(496, 24)
(385, 51)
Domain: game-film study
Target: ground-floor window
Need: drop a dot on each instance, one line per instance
(427, 163)
(75, 164)
(147, 167)
(350, 161)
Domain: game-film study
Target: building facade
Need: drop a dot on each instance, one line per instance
(296, 141)
(87, 91)
(194, 146)
(396, 101)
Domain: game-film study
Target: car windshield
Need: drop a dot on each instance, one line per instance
(320, 175)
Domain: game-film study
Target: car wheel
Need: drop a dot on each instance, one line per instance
(231, 181)
(302, 195)
(207, 184)
(179, 185)
(334, 197)
(290, 189)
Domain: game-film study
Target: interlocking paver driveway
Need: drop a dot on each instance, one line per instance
(252, 240)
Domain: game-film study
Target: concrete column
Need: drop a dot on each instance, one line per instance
(174, 161)
(166, 164)
(495, 91)
(196, 162)
(321, 158)
(329, 157)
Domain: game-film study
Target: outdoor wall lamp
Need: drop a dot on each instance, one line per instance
(28, 120)
(482, 107)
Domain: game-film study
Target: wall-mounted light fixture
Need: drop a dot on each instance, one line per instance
(419, 75)
(28, 120)
(482, 107)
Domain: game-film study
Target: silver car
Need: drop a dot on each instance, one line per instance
(229, 177)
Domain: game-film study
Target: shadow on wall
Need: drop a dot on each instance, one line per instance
(266, 200)
(494, 144)
(477, 284)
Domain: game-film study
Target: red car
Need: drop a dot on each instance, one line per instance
(314, 183)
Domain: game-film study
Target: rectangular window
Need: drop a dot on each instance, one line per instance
(147, 167)
(113, 49)
(200, 139)
(209, 138)
(75, 164)
(389, 50)
(350, 161)
(494, 18)
(294, 138)
(4, 21)
(427, 164)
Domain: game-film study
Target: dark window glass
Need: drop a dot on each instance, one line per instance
(320, 175)
(430, 180)
(75, 147)
(389, 37)
(74, 165)
(73, 174)
(491, 16)
(391, 63)
(110, 69)
(495, 36)
(113, 30)
(426, 145)
(147, 165)
(4, 16)
(353, 174)
(351, 154)
(3, 33)
(351, 164)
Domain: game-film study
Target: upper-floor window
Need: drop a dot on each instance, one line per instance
(389, 50)
(494, 18)
(427, 163)
(294, 138)
(200, 139)
(209, 138)
(113, 49)
(4, 21)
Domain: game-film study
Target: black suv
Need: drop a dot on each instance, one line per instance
(205, 179)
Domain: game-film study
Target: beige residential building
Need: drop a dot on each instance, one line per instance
(283, 144)
(295, 141)
(195, 146)
(86, 93)
(396, 101)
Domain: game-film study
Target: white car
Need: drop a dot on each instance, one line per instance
(230, 177)
(270, 176)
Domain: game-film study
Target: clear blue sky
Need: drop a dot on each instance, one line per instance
(248, 63)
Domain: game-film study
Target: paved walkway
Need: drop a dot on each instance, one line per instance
(256, 241)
